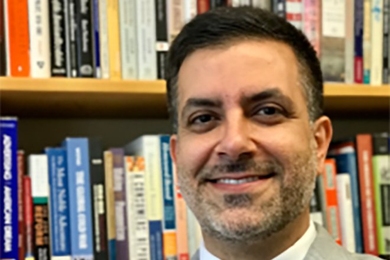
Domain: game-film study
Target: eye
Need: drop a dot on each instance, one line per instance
(202, 119)
(269, 111)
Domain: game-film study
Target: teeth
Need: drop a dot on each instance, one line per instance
(240, 181)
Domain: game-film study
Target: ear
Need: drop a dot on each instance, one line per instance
(323, 132)
(173, 148)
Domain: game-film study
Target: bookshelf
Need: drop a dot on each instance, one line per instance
(96, 98)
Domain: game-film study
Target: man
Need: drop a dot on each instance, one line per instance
(245, 95)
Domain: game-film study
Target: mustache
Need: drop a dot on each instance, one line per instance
(238, 167)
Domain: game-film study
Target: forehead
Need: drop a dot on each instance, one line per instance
(240, 68)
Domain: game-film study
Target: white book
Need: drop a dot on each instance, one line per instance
(263, 4)
(103, 35)
(376, 42)
(138, 229)
(194, 233)
(146, 40)
(38, 17)
(350, 42)
(346, 211)
(38, 170)
(176, 17)
(128, 38)
(190, 10)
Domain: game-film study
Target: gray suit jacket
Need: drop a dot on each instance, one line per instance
(324, 248)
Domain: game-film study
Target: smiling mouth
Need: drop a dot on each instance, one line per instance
(237, 180)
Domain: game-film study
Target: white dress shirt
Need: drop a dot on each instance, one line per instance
(297, 251)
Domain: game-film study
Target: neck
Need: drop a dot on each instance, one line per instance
(265, 249)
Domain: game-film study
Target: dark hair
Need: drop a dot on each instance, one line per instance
(221, 26)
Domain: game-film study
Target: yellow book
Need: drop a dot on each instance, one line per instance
(113, 39)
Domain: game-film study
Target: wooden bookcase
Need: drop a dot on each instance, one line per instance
(119, 111)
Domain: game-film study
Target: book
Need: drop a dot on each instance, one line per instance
(3, 45)
(80, 211)
(59, 38)
(312, 23)
(73, 33)
(367, 41)
(138, 231)
(39, 174)
(376, 43)
(169, 217)
(386, 42)
(349, 41)
(162, 37)
(114, 55)
(148, 146)
(358, 44)
(96, 38)
(345, 154)
(367, 200)
(9, 189)
(345, 211)
(110, 204)
(38, 12)
(119, 185)
(22, 230)
(85, 54)
(381, 172)
(103, 40)
(28, 217)
(59, 204)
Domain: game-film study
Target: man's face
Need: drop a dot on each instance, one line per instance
(245, 152)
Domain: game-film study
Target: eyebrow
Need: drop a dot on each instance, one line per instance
(201, 102)
(272, 93)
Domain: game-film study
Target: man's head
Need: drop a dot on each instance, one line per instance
(245, 95)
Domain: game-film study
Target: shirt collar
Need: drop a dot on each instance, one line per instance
(297, 251)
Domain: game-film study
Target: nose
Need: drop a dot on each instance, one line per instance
(237, 141)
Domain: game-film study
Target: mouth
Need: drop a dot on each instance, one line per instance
(240, 183)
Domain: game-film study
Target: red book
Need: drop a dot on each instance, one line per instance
(203, 6)
(28, 216)
(18, 38)
(367, 195)
(332, 216)
(22, 235)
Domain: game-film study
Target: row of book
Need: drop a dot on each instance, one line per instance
(352, 195)
(78, 200)
(120, 39)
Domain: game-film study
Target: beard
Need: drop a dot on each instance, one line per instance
(242, 218)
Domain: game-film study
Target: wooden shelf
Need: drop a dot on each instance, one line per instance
(73, 98)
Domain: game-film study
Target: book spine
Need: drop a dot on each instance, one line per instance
(113, 39)
(364, 155)
(59, 204)
(110, 204)
(386, 42)
(98, 200)
(381, 170)
(294, 10)
(38, 12)
(346, 212)
(138, 232)
(349, 41)
(376, 43)
(190, 10)
(358, 32)
(3, 55)
(146, 40)
(203, 6)
(79, 198)
(162, 44)
(73, 34)
(96, 38)
(22, 230)
(312, 23)
(367, 41)
(58, 38)
(122, 240)
(85, 40)
(103, 40)
(181, 222)
(18, 38)
(175, 19)
(9, 189)
(192, 226)
(128, 39)
(278, 8)
(332, 208)
(263, 4)
(38, 171)
(28, 216)
(333, 40)
(169, 218)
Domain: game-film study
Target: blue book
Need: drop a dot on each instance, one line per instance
(59, 203)
(169, 219)
(345, 155)
(9, 189)
(77, 153)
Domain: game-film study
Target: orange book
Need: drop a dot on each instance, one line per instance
(17, 38)
(331, 209)
(113, 39)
